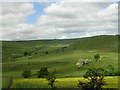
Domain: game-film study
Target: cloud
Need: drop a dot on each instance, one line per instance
(13, 14)
(72, 18)
(61, 20)
(58, 0)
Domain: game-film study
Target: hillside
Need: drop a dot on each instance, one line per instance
(100, 43)
(15, 49)
(58, 55)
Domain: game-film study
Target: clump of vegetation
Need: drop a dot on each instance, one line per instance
(43, 73)
(110, 71)
(27, 54)
(97, 57)
(26, 74)
(95, 77)
(51, 79)
(46, 52)
(82, 62)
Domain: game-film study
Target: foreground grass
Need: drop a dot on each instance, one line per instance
(112, 82)
(5, 82)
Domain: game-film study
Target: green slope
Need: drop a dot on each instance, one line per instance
(62, 55)
(100, 43)
(13, 49)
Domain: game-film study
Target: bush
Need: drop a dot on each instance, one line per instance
(51, 79)
(26, 74)
(46, 52)
(43, 73)
(110, 71)
(97, 57)
(95, 77)
(25, 53)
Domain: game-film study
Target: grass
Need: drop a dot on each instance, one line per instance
(112, 82)
(5, 82)
(64, 64)
(59, 59)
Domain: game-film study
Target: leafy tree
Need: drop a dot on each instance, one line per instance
(46, 52)
(26, 74)
(25, 53)
(43, 73)
(35, 53)
(51, 79)
(110, 71)
(95, 77)
(97, 57)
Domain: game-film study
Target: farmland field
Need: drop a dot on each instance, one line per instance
(112, 82)
(62, 57)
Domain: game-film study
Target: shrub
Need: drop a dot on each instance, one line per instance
(46, 52)
(25, 53)
(95, 77)
(97, 57)
(51, 79)
(110, 71)
(43, 73)
(26, 74)
(82, 62)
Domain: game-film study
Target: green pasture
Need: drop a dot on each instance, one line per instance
(62, 56)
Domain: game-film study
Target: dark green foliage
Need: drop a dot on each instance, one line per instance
(46, 52)
(110, 71)
(97, 57)
(35, 53)
(43, 73)
(26, 74)
(29, 54)
(95, 77)
(25, 53)
(51, 79)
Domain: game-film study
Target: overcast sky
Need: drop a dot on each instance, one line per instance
(61, 19)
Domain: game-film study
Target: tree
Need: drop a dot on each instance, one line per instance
(97, 57)
(95, 77)
(25, 53)
(46, 52)
(43, 73)
(51, 79)
(110, 71)
(26, 74)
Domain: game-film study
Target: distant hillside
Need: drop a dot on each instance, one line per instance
(15, 49)
(101, 43)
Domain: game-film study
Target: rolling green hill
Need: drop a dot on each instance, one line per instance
(16, 49)
(101, 43)
(58, 55)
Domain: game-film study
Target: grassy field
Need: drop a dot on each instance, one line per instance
(111, 82)
(62, 56)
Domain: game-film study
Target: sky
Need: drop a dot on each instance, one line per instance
(57, 19)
